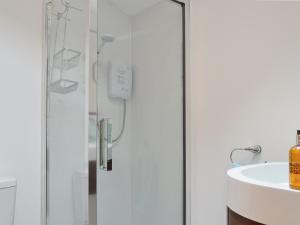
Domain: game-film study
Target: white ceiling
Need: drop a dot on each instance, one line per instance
(133, 7)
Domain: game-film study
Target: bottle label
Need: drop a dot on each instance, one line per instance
(295, 168)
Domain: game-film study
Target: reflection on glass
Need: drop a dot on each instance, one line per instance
(66, 164)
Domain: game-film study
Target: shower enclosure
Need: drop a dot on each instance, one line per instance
(116, 112)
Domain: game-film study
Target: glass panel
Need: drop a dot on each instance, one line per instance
(66, 113)
(140, 89)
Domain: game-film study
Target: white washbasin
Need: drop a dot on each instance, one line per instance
(261, 193)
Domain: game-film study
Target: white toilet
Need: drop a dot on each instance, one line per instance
(8, 188)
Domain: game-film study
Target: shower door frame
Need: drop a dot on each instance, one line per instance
(185, 4)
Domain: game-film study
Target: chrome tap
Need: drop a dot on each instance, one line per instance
(256, 149)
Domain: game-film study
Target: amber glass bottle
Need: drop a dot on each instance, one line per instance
(295, 164)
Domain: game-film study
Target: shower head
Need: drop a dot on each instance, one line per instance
(107, 38)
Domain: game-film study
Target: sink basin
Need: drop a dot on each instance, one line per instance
(261, 193)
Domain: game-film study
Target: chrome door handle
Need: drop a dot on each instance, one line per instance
(105, 144)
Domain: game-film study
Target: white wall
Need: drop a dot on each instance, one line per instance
(245, 82)
(21, 97)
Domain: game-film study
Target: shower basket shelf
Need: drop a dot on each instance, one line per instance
(66, 59)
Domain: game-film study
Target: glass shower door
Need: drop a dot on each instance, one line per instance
(67, 177)
(139, 113)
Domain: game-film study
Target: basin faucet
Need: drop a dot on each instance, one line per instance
(256, 149)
